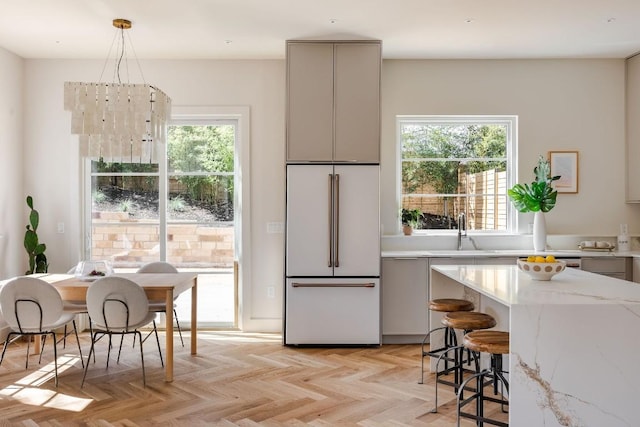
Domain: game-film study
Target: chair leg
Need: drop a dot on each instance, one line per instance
(144, 378)
(55, 357)
(155, 329)
(6, 343)
(94, 337)
(75, 330)
(175, 315)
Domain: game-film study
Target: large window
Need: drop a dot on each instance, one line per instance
(458, 164)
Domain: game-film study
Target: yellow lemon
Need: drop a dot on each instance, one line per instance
(539, 258)
(550, 258)
(531, 258)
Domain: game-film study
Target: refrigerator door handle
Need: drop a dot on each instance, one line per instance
(333, 285)
(330, 205)
(337, 228)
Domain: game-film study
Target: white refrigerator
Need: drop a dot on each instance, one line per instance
(332, 289)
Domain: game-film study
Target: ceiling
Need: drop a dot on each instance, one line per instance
(240, 29)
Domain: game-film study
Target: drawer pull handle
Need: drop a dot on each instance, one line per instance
(333, 285)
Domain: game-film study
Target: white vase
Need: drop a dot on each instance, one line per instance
(539, 232)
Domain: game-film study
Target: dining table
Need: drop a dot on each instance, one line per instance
(157, 286)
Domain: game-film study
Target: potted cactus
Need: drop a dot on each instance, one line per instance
(35, 249)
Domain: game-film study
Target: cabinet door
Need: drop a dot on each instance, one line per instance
(357, 102)
(309, 102)
(308, 220)
(404, 296)
(633, 129)
(357, 221)
(636, 270)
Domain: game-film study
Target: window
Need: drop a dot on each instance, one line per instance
(458, 164)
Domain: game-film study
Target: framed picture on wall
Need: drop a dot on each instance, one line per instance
(565, 164)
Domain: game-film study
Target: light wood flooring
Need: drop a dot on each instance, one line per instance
(237, 379)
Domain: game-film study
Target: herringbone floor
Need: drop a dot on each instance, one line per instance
(237, 379)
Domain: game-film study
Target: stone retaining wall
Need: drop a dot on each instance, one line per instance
(130, 242)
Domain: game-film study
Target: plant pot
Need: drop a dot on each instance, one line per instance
(407, 230)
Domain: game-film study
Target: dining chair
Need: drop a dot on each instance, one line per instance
(118, 306)
(32, 307)
(160, 306)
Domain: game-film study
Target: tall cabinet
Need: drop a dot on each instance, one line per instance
(332, 254)
(333, 101)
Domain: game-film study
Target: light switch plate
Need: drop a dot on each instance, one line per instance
(275, 227)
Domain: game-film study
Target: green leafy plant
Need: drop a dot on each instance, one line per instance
(411, 217)
(35, 249)
(540, 195)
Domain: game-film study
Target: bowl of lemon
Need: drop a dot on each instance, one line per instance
(540, 267)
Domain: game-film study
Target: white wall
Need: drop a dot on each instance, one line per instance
(561, 105)
(12, 200)
(13, 208)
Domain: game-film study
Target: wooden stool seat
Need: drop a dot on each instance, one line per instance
(492, 342)
(468, 320)
(450, 304)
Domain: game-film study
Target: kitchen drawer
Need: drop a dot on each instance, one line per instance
(619, 267)
(332, 311)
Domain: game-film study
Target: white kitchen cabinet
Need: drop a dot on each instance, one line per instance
(404, 297)
(333, 101)
(618, 267)
(636, 270)
(633, 128)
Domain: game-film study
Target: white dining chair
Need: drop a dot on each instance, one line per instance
(160, 306)
(31, 307)
(118, 306)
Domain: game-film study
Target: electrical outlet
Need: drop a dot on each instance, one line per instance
(271, 292)
(61, 227)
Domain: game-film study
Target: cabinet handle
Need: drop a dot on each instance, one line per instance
(330, 216)
(337, 230)
(333, 285)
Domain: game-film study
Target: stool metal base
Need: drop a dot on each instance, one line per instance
(495, 377)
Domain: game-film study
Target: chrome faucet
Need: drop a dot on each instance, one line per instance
(462, 229)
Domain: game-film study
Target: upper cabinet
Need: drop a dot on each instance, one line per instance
(633, 129)
(333, 101)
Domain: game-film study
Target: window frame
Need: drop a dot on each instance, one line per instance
(511, 123)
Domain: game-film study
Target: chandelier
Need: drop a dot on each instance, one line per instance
(118, 121)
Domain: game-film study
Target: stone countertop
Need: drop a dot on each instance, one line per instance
(560, 253)
(508, 285)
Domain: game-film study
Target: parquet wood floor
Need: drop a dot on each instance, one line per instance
(237, 379)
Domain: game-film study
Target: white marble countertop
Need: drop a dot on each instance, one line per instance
(508, 285)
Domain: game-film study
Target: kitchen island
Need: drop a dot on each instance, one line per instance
(574, 341)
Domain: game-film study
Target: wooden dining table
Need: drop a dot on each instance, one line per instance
(157, 286)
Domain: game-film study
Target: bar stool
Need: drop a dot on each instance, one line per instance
(496, 343)
(466, 321)
(443, 305)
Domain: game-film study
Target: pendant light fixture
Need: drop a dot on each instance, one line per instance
(118, 121)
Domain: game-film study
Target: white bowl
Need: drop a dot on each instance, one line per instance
(541, 270)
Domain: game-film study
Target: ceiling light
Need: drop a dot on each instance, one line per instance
(118, 120)
(610, 20)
